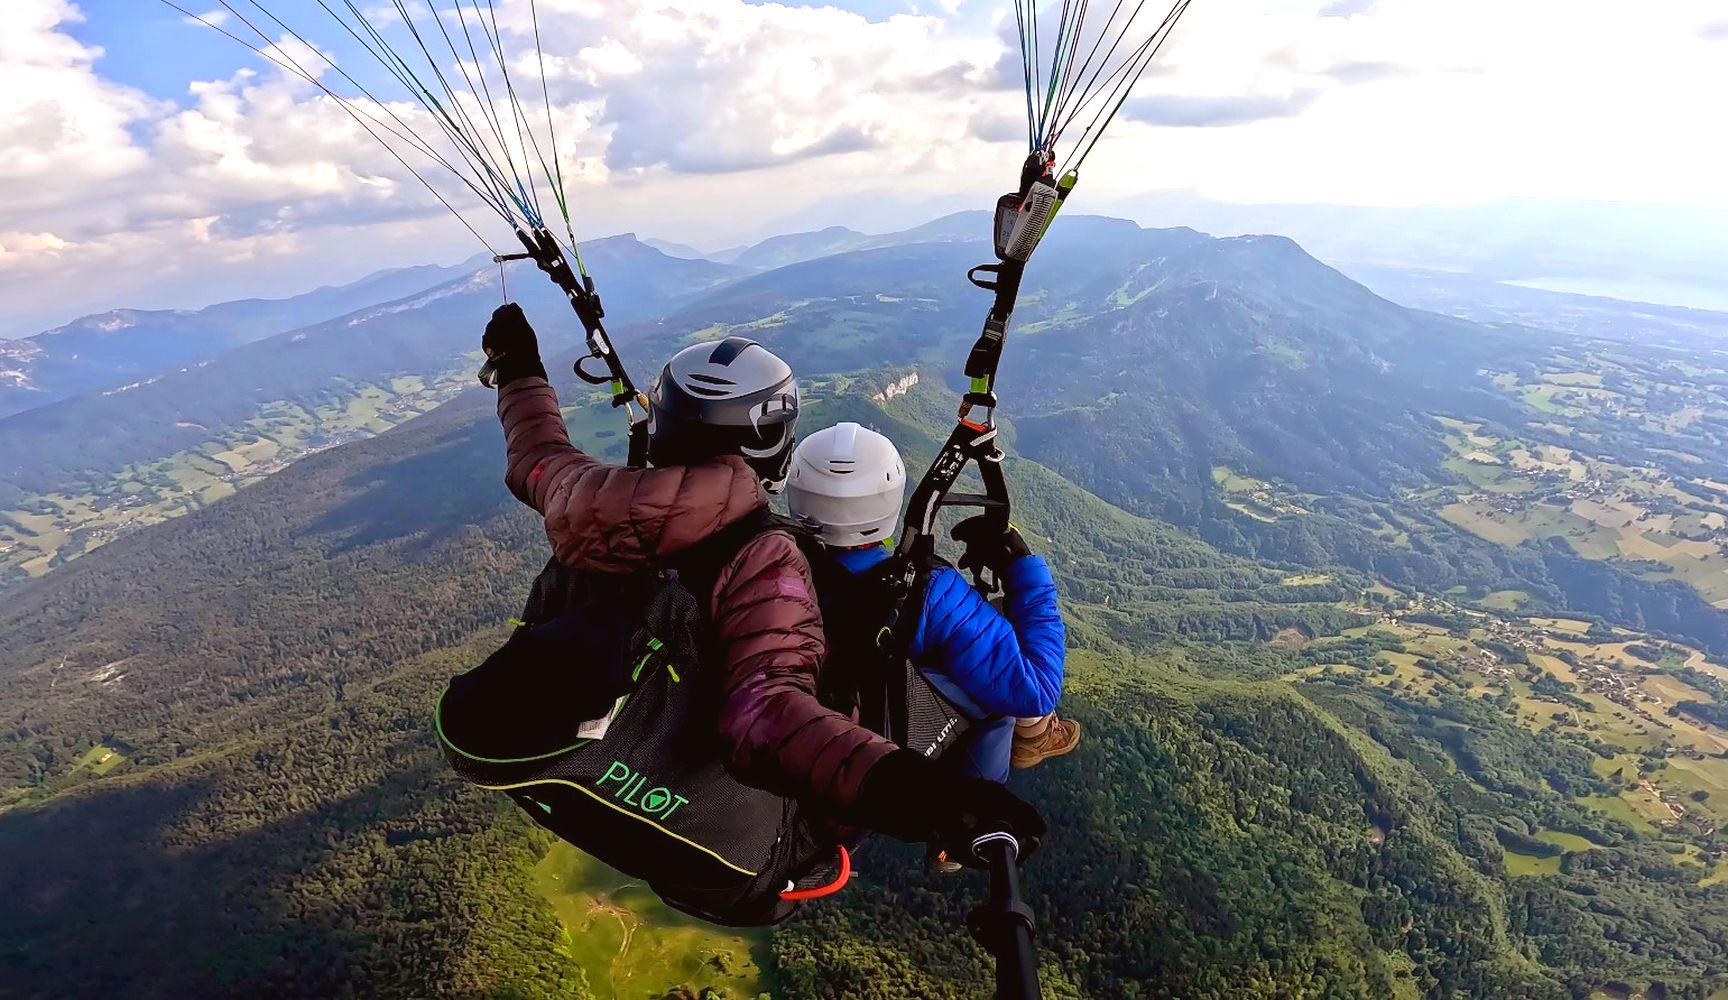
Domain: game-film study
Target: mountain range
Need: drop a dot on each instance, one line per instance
(1382, 627)
(109, 349)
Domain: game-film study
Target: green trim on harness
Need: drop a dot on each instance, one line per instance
(620, 809)
(438, 724)
(654, 646)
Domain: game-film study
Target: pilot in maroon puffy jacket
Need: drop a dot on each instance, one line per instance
(721, 432)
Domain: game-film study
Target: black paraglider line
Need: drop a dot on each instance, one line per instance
(492, 195)
(492, 172)
(1072, 35)
(495, 194)
(398, 67)
(1070, 87)
(1026, 69)
(478, 135)
(552, 136)
(1144, 58)
(495, 37)
(410, 83)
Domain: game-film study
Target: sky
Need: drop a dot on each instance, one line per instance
(148, 161)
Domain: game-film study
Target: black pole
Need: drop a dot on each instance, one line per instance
(1004, 925)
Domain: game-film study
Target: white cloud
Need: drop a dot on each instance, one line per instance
(65, 127)
(709, 86)
(697, 118)
(1444, 101)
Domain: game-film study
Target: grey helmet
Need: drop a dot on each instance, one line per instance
(725, 397)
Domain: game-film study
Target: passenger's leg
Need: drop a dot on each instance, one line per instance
(987, 748)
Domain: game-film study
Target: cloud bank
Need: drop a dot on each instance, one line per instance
(702, 119)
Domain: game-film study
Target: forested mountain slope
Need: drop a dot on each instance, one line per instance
(420, 335)
(282, 822)
(1166, 371)
(78, 473)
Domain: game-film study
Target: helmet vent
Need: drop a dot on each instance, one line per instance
(702, 390)
(727, 350)
(711, 379)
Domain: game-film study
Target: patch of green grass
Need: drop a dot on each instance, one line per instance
(1232, 482)
(48, 529)
(1505, 529)
(98, 760)
(1570, 626)
(1252, 509)
(1525, 864)
(1616, 807)
(1568, 842)
(1488, 478)
(1506, 600)
(1285, 355)
(631, 945)
(1685, 776)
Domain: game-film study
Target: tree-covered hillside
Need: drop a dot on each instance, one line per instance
(283, 823)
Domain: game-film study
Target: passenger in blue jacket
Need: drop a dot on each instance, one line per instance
(1002, 668)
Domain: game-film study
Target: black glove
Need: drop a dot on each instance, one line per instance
(510, 346)
(908, 797)
(986, 546)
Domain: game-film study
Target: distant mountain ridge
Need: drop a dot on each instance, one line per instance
(798, 247)
(106, 350)
(422, 333)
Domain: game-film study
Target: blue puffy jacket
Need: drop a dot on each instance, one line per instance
(996, 665)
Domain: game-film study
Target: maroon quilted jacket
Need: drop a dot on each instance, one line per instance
(609, 518)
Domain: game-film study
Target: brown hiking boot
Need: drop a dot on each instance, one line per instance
(1039, 740)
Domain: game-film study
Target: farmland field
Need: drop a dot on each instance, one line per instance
(49, 529)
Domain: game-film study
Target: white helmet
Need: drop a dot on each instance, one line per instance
(849, 481)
